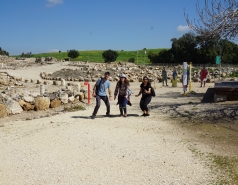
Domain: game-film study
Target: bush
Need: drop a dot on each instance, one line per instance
(109, 56)
(132, 60)
(73, 54)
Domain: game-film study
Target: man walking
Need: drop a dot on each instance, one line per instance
(99, 91)
(164, 76)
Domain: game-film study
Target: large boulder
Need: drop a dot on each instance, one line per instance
(42, 103)
(13, 107)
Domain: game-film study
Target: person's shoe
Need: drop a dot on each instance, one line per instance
(125, 115)
(121, 115)
(93, 117)
(108, 115)
(147, 114)
(166, 85)
(143, 114)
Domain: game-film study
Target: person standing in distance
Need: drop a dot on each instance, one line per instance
(164, 76)
(203, 76)
(99, 91)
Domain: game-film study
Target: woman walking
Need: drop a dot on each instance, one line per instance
(145, 90)
(123, 91)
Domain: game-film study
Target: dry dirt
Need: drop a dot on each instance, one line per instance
(58, 147)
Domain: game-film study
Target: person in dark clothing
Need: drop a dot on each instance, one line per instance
(145, 90)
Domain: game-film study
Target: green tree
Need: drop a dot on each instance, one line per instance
(3, 52)
(109, 56)
(73, 54)
(132, 60)
(184, 48)
(26, 55)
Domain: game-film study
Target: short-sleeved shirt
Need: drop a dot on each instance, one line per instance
(104, 85)
(164, 74)
(143, 88)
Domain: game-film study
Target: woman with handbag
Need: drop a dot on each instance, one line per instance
(145, 90)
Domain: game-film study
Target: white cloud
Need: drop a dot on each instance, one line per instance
(51, 3)
(183, 28)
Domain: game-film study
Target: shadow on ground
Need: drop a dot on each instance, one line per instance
(104, 116)
(208, 96)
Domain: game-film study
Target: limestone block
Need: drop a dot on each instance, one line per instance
(55, 103)
(55, 83)
(64, 98)
(71, 88)
(13, 107)
(28, 106)
(3, 111)
(29, 99)
(42, 103)
(71, 99)
(21, 103)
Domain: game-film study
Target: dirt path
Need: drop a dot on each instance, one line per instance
(70, 148)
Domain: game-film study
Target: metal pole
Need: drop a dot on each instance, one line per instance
(88, 93)
(190, 78)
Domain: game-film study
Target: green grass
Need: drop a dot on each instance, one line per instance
(74, 108)
(226, 167)
(96, 55)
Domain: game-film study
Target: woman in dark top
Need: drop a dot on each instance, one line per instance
(145, 90)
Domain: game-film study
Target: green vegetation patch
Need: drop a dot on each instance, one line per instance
(74, 108)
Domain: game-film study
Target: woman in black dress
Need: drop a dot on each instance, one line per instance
(145, 90)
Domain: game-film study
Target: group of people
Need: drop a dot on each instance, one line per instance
(203, 77)
(122, 93)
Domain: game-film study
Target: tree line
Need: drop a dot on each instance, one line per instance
(197, 49)
(3, 52)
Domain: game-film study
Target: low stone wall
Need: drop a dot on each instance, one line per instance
(14, 102)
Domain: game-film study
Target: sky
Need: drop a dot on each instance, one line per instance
(41, 26)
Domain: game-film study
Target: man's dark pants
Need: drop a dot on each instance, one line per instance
(98, 103)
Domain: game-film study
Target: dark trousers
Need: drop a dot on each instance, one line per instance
(144, 101)
(98, 103)
(164, 80)
(122, 101)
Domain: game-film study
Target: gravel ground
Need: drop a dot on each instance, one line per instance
(70, 148)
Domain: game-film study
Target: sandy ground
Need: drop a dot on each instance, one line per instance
(71, 148)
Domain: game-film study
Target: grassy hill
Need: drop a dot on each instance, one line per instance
(96, 55)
